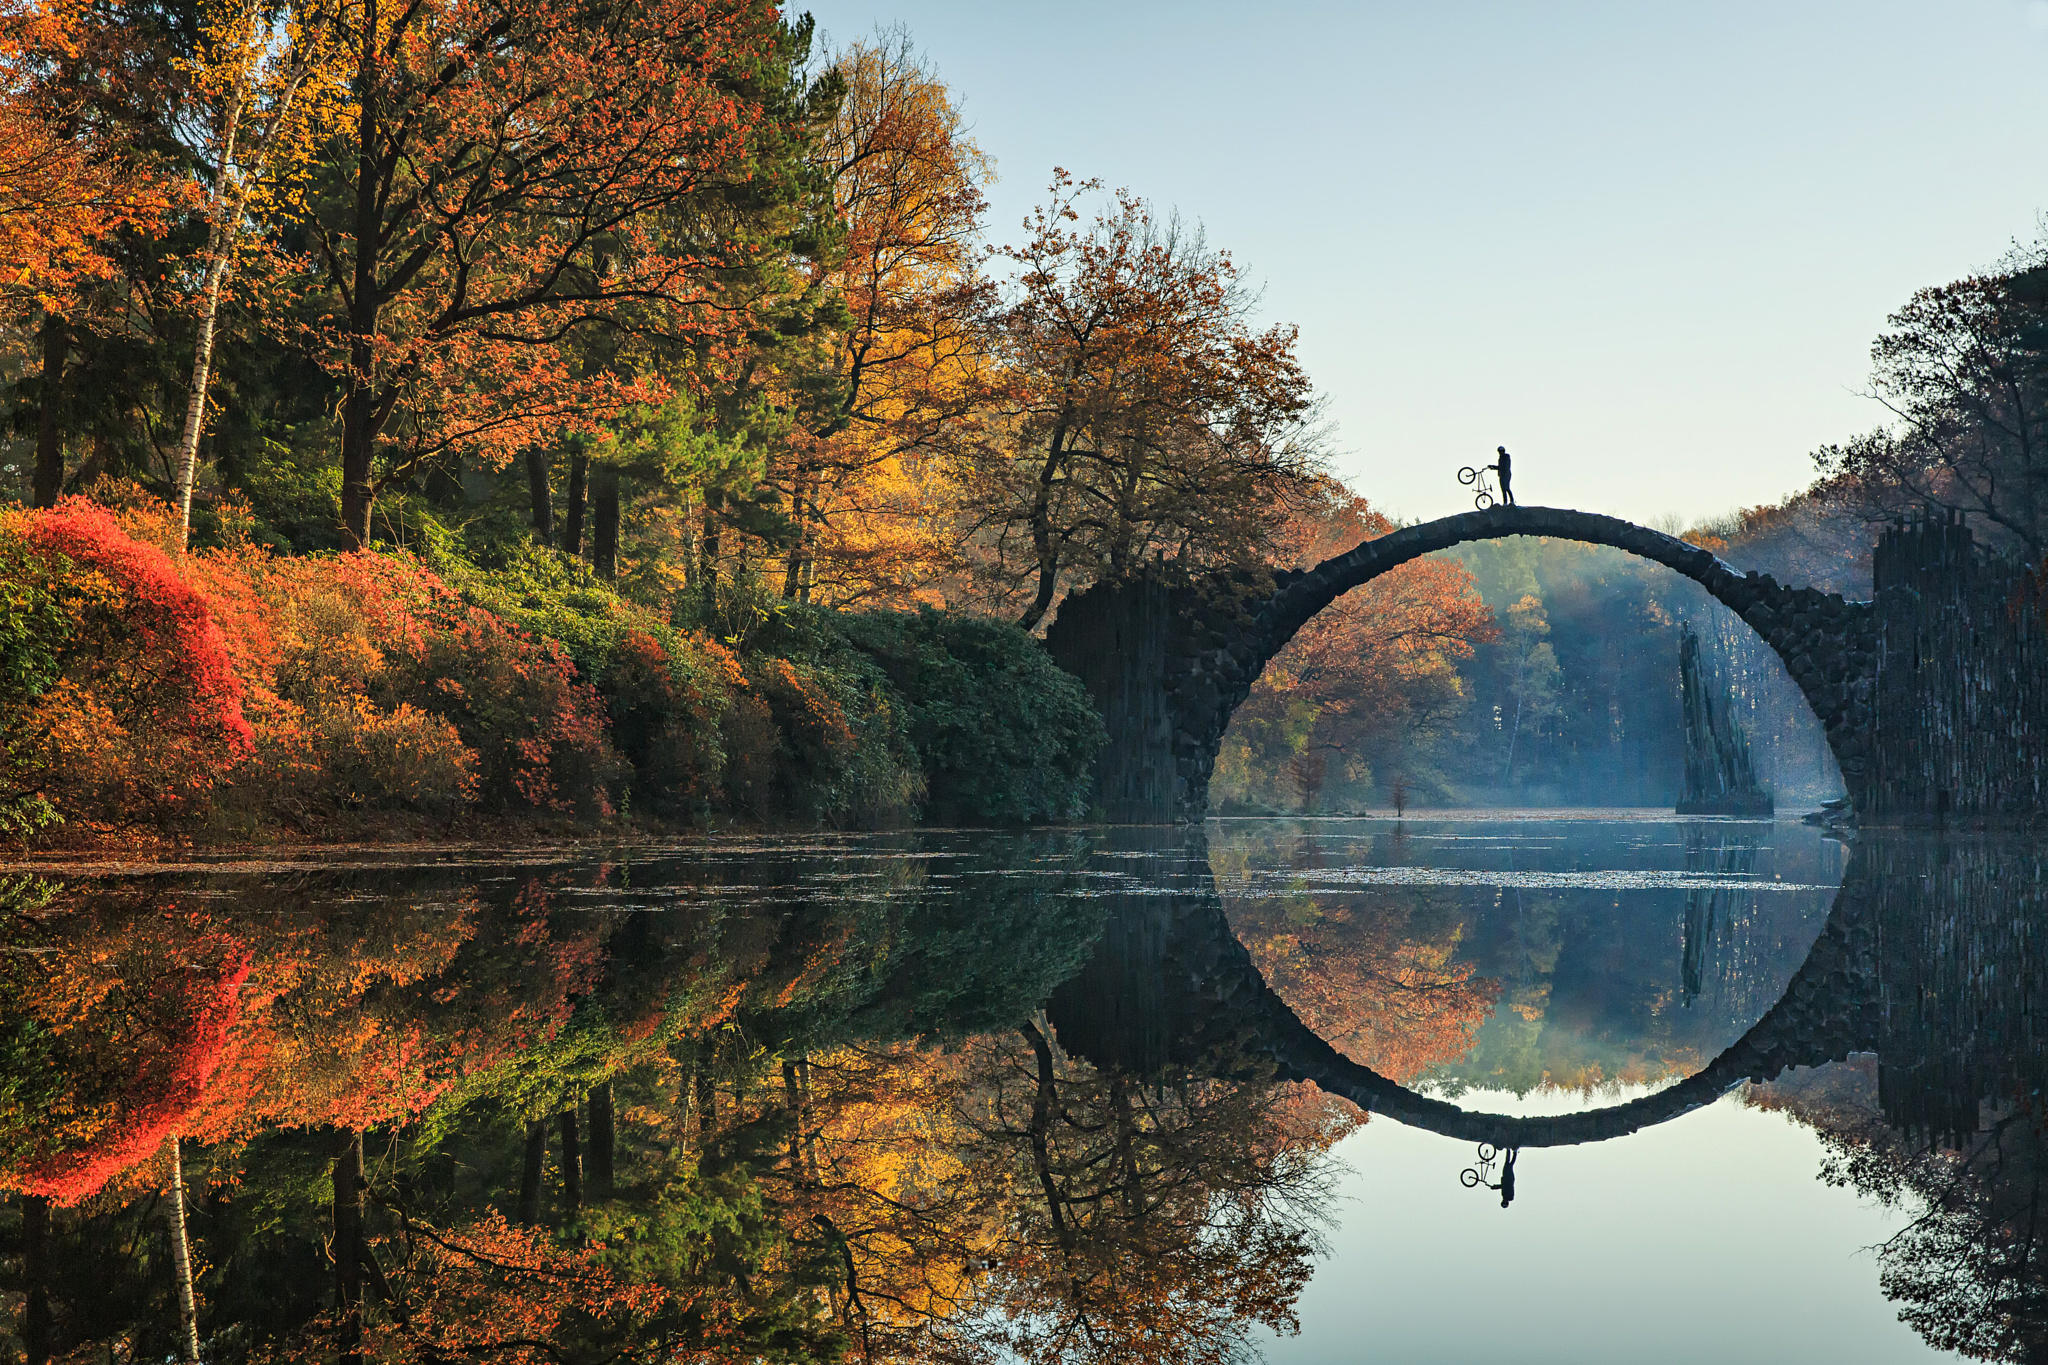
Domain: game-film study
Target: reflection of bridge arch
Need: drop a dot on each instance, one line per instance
(1171, 986)
(1170, 662)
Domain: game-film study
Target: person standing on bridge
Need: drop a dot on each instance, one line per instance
(1506, 470)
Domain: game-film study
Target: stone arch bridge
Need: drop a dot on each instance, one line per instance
(1934, 696)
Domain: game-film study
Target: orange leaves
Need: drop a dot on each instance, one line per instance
(490, 1290)
(139, 1052)
(1152, 419)
(1380, 662)
(285, 684)
(146, 714)
(68, 176)
(520, 171)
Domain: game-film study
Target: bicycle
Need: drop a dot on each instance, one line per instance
(1470, 476)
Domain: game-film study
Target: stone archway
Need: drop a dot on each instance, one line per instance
(1170, 657)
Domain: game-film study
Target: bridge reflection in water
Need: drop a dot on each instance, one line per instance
(1910, 1037)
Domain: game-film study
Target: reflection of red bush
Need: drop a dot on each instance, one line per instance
(193, 1011)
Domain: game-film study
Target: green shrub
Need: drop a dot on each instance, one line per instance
(1004, 734)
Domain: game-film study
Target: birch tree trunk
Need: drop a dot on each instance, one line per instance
(223, 235)
(220, 244)
(181, 1258)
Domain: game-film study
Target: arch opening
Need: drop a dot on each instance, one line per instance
(1587, 598)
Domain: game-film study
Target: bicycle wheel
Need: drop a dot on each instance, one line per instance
(1483, 501)
(1469, 1178)
(1467, 474)
(1487, 1152)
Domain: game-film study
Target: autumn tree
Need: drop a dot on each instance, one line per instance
(1156, 1218)
(906, 185)
(81, 86)
(263, 83)
(502, 193)
(1362, 683)
(1143, 414)
(1963, 370)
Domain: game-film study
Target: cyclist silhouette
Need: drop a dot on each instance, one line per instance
(1506, 470)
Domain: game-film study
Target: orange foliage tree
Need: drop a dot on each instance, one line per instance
(1141, 412)
(515, 173)
(1371, 671)
(906, 183)
(79, 79)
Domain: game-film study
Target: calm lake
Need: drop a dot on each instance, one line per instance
(1639, 1087)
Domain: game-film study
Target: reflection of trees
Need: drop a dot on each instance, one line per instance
(1945, 1119)
(1386, 988)
(1168, 1216)
(458, 1118)
(1969, 1271)
(1002, 1198)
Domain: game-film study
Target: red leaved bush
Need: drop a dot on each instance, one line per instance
(288, 688)
(385, 629)
(146, 712)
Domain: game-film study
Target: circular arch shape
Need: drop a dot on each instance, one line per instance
(1827, 644)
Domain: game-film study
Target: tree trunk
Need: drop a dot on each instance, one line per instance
(181, 1257)
(603, 1141)
(348, 1248)
(572, 518)
(572, 1160)
(359, 406)
(604, 528)
(707, 554)
(1045, 543)
(531, 1171)
(793, 1101)
(539, 471)
(47, 484)
(707, 1108)
(220, 256)
(35, 1255)
(800, 544)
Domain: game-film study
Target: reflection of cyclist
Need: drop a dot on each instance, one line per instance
(1506, 470)
(1507, 1172)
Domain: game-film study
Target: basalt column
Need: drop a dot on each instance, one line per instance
(1961, 726)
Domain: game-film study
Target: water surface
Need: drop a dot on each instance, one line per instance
(1067, 1094)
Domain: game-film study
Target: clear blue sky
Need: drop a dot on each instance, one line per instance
(1646, 245)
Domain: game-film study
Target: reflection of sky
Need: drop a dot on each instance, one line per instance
(1704, 1239)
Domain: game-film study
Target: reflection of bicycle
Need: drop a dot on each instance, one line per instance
(1482, 497)
(1474, 1176)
